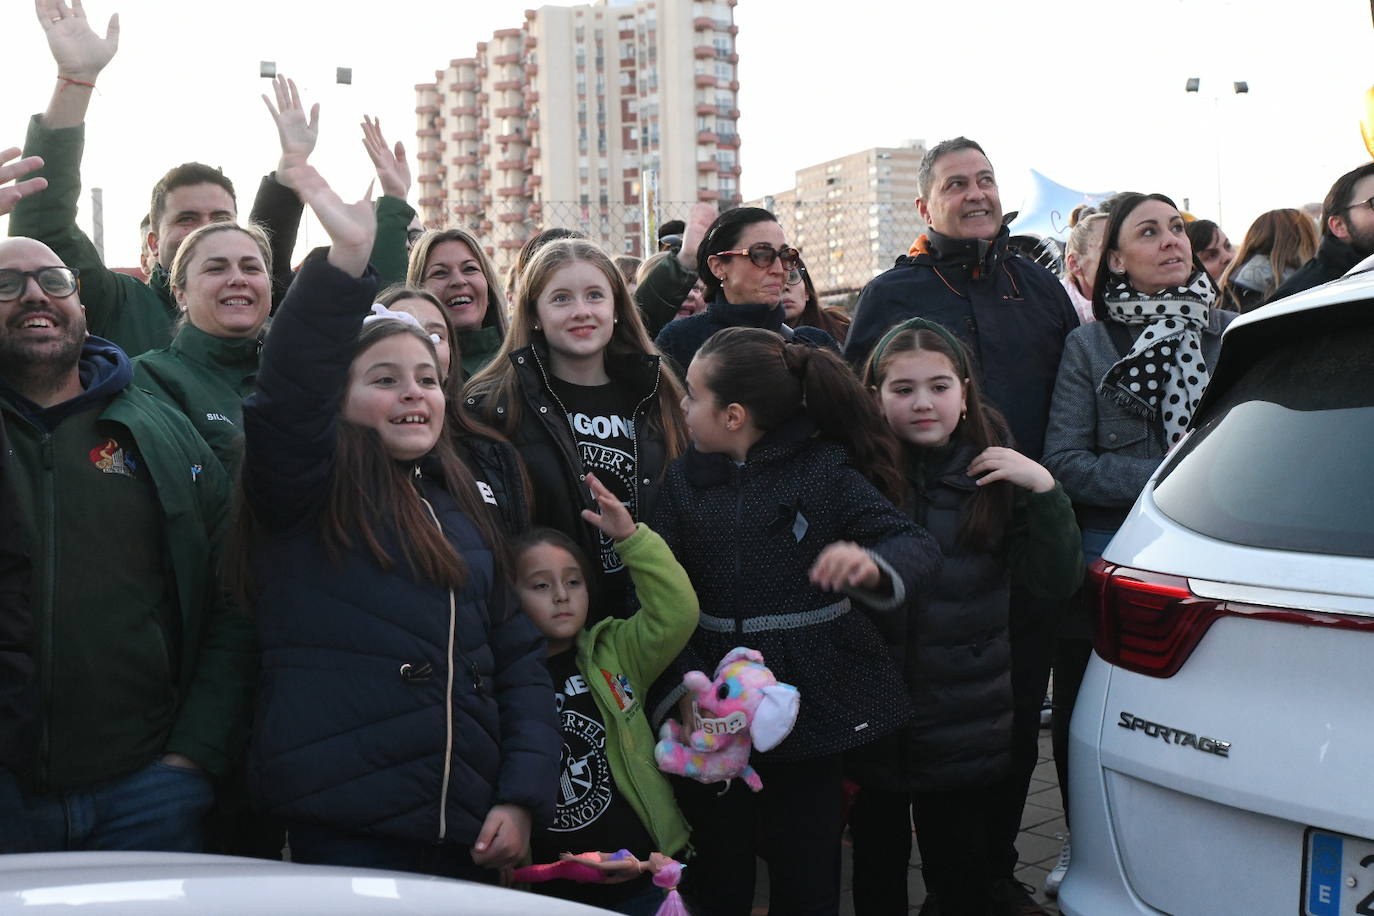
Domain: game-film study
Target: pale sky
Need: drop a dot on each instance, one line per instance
(1090, 92)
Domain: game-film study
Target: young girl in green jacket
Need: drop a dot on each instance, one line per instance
(611, 794)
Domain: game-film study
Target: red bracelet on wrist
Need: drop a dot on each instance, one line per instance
(68, 81)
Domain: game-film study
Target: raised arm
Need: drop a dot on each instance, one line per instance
(276, 207)
(291, 420)
(80, 55)
(663, 290)
(389, 252)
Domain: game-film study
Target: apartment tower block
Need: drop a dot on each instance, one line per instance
(554, 122)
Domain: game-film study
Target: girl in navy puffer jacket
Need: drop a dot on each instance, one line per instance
(403, 714)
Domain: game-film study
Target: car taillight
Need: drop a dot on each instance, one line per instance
(1150, 622)
(1147, 622)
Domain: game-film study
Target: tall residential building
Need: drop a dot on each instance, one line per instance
(552, 123)
(851, 217)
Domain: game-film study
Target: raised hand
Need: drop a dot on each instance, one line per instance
(393, 171)
(844, 565)
(11, 194)
(351, 227)
(79, 52)
(698, 221)
(614, 519)
(296, 133)
(996, 463)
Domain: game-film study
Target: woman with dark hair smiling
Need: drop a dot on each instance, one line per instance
(1128, 385)
(745, 262)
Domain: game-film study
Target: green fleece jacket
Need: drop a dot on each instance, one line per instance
(662, 292)
(214, 650)
(135, 315)
(206, 378)
(620, 659)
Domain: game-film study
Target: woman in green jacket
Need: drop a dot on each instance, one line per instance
(222, 281)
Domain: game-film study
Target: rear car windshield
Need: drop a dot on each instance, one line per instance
(1285, 459)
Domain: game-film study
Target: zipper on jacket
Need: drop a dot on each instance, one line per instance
(49, 602)
(635, 418)
(448, 695)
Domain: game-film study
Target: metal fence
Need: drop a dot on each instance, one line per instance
(843, 243)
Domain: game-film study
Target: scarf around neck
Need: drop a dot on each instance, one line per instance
(1163, 376)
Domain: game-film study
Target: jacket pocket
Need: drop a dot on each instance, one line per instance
(1120, 433)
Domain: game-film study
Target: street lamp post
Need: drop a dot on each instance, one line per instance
(1238, 87)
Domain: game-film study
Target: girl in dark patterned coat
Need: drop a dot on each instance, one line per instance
(775, 515)
(1000, 519)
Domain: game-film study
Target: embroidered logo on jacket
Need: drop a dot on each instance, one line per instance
(110, 458)
(620, 689)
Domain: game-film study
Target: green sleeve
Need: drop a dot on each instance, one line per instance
(118, 307)
(668, 610)
(662, 291)
(1046, 549)
(389, 255)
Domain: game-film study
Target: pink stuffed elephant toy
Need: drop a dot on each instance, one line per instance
(742, 708)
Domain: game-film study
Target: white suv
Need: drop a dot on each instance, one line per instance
(1222, 747)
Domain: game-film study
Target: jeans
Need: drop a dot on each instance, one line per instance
(155, 809)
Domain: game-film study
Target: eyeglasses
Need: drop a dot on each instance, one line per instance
(762, 254)
(1360, 203)
(55, 281)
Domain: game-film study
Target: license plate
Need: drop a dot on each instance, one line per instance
(1338, 875)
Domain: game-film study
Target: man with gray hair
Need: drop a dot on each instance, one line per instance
(1012, 315)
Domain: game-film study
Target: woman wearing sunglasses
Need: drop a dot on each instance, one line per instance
(745, 263)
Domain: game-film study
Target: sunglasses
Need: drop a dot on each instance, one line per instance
(762, 254)
(55, 281)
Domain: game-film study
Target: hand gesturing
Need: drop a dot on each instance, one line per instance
(79, 52)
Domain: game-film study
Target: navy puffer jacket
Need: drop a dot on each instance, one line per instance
(387, 704)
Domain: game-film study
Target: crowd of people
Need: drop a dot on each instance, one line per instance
(385, 560)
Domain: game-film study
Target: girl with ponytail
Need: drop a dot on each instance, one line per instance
(781, 513)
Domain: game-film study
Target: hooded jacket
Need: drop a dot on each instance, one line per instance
(201, 655)
(387, 704)
(1011, 313)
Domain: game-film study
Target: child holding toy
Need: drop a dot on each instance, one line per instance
(1000, 519)
(611, 794)
(780, 513)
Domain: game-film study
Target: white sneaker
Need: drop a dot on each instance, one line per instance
(1056, 875)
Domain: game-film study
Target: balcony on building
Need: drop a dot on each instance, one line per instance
(704, 80)
(511, 165)
(703, 52)
(727, 140)
(467, 208)
(428, 156)
(512, 244)
(512, 138)
(508, 85)
(467, 184)
(502, 60)
(430, 178)
(706, 136)
(531, 95)
(707, 165)
(430, 201)
(707, 194)
(510, 111)
(464, 111)
(512, 217)
(427, 109)
(466, 159)
(705, 109)
(703, 24)
(463, 135)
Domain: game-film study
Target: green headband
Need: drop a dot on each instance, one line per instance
(922, 324)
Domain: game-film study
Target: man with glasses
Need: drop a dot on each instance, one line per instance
(143, 670)
(1012, 315)
(1347, 232)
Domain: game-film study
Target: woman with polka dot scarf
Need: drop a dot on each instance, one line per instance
(1127, 387)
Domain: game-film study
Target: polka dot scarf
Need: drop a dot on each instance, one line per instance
(1163, 375)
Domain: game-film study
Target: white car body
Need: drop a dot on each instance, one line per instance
(1216, 789)
(152, 883)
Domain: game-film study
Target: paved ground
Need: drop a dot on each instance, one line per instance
(1042, 829)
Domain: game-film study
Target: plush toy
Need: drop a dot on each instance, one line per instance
(742, 708)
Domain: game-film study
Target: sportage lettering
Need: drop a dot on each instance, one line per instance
(1176, 736)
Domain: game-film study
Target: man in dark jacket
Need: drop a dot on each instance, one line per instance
(1347, 232)
(144, 670)
(134, 315)
(1013, 316)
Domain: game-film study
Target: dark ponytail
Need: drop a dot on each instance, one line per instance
(776, 380)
